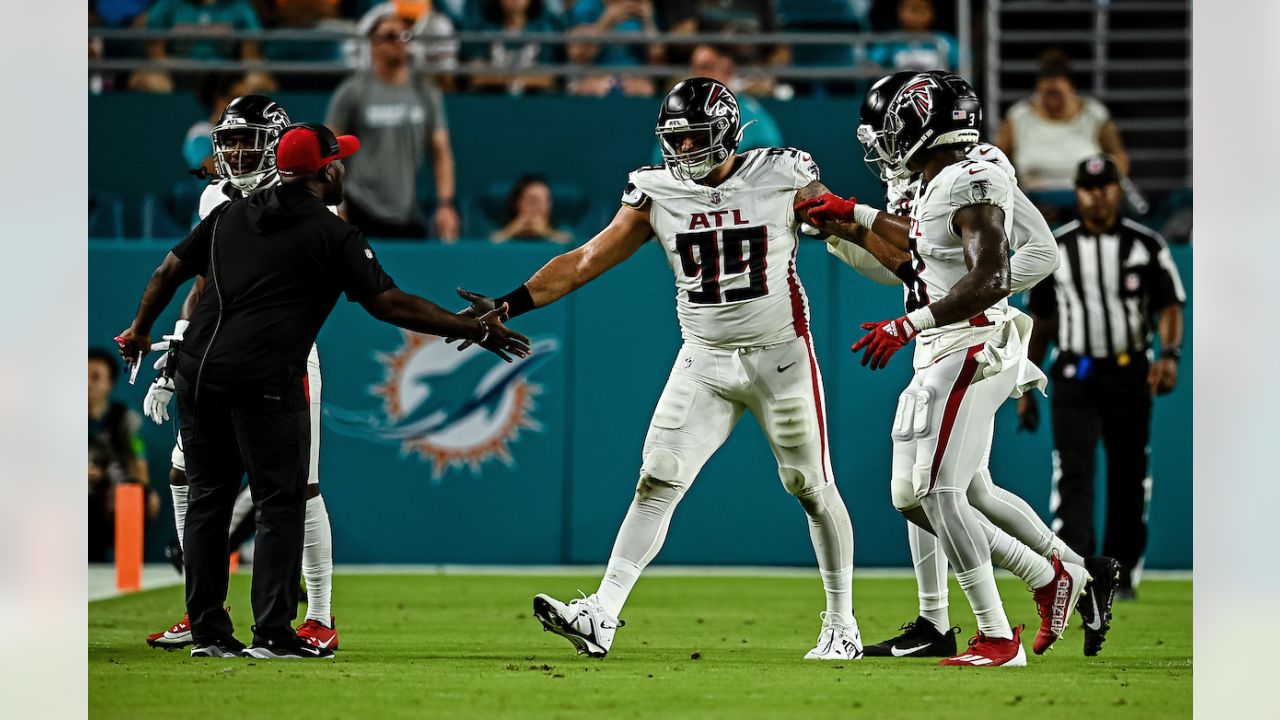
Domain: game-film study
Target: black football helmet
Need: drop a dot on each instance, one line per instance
(871, 120)
(930, 110)
(244, 141)
(699, 127)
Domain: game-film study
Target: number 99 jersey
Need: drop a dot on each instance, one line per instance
(732, 247)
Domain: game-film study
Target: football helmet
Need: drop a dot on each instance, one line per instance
(244, 141)
(871, 120)
(699, 127)
(930, 110)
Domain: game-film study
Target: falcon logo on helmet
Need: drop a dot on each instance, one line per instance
(919, 94)
(699, 127)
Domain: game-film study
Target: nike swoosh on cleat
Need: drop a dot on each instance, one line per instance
(1097, 616)
(325, 645)
(907, 651)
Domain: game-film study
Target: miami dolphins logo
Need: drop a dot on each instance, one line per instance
(454, 409)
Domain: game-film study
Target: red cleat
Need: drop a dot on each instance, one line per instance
(314, 633)
(1055, 602)
(985, 651)
(177, 636)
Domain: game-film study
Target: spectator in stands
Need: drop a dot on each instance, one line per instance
(116, 453)
(530, 213)
(399, 117)
(590, 18)
(942, 52)
(739, 17)
(717, 63)
(1047, 134)
(514, 17)
(304, 15)
(211, 17)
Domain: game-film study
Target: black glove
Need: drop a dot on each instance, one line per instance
(480, 306)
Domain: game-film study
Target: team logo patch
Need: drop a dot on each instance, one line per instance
(980, 190)
(716, 197)
(720, 102)
(454, 409)
(919, 95)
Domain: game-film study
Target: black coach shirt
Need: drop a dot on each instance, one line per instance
(1107, 288)
(274, 265)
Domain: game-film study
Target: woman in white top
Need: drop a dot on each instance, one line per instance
(1048, 133)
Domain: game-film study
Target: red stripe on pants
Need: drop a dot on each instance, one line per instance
(817, 400)
(967, 370)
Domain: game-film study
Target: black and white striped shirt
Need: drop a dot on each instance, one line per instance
(1107, 288)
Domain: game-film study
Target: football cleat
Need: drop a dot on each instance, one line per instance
(294, 649)
(1095, 606)
(985, 651)
(317, 634)
(177, 636)
(582, 622)
(920, 638)
(1056, 600)
(227, 647)
(837, 640)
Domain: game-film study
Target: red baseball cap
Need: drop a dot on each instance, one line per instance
(307, 147)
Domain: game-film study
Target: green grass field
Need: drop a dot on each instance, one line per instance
(449, 646)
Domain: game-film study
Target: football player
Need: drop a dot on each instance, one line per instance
(727, 223)
(970, 357)
(930, 633)
(244, 153)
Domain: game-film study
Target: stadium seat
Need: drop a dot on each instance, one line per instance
(171, 214)
(823, 16)
(106, 215)
(569, 202)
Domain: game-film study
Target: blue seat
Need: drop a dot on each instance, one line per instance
(172, 214)
(823, 16)
(569, 207)
(106, 215)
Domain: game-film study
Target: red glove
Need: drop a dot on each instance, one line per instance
(828, 207)
(884, 339)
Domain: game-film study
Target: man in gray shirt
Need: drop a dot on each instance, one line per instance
(399, 117)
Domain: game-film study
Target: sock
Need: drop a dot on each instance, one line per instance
(179, 493)
(1013, 515)
(979, 586)
(831, 532)
(317, 560)
(1019, 559)
(639, 539)
(931, 576)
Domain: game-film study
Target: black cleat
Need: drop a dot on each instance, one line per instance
(226, 647)
(291, 648)
(1095, 605)
(919, 639)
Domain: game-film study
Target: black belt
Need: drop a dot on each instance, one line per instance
(1072, 366)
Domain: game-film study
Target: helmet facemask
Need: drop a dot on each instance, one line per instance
(892, 146)
(873, 155)
(709, 147)
(245, 154)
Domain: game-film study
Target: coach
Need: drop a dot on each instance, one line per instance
(1115, 281)
(274, 265)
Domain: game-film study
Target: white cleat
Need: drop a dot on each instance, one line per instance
(838, 640)
(582, 622)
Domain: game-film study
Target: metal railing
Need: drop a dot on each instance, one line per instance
(858, 43)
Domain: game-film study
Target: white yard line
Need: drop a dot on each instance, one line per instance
(102, 578)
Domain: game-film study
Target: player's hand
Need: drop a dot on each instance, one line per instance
(133, 345)
(1163, 376)
(883, 340)
(497, 339)
(480, 305)
(828, 207)
(156, 404)
(1028, 413)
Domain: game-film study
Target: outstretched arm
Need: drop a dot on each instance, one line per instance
(816, 197)
(166, 279)
(418, 314)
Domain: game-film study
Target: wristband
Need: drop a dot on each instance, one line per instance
(864, 215)
(922, 319)
(518, 301)
(445, 203)
(1173, 353)
(179, 328)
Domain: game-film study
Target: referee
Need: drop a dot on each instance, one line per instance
(1116, 281)
(276, 263)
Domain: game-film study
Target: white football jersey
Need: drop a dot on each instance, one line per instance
(220, 191)
(732, 247)
(940, 250)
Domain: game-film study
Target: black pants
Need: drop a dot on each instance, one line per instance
(376, 227)
(1112, 404)
(226, 433)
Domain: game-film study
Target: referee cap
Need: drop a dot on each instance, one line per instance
(306, 147)
(1097, 171)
